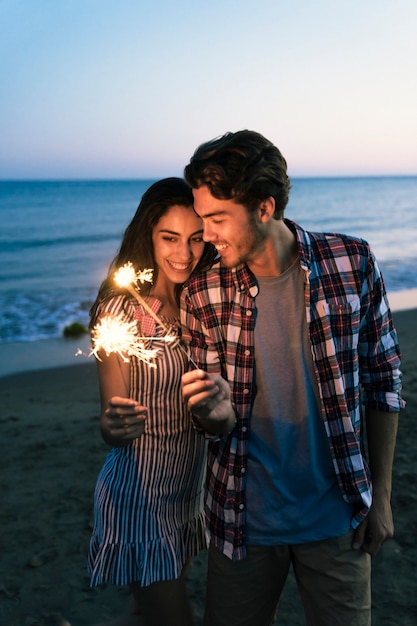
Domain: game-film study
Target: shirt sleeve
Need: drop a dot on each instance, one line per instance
(197, 338)
(379, 351)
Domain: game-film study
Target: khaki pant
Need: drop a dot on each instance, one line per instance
(333, 581)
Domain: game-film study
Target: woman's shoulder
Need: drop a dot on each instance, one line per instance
(117, 304)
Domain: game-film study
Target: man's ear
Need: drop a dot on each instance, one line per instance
(266, 209)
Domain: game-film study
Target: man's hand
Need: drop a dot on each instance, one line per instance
(208, 398)
(377, 527)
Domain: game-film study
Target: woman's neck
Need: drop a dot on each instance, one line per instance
(169, 303)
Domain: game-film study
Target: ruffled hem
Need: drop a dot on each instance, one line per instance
(149, 562)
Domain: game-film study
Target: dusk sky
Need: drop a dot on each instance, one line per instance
(129, 89)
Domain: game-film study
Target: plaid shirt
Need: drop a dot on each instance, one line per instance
(354, 347)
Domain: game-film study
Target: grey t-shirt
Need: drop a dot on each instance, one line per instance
(292, 491)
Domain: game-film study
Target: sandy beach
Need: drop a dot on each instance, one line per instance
(50, 455)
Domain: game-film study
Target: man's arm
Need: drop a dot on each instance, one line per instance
(378, 526)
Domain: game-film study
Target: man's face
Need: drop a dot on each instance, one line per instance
(236, 234)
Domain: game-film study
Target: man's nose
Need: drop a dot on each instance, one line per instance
(208, 234)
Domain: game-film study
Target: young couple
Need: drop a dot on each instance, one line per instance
(290, 336)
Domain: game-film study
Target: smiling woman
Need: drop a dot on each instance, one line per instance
(149, 520)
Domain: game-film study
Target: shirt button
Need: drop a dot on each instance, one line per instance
(248, 313)
(241, 507)
(242, 287)
(246, 391)
(243, 470)
(247, 352)
(244, 429)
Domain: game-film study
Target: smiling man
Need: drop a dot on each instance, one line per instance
(285, 329)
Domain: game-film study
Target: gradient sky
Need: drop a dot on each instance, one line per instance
(128, 89)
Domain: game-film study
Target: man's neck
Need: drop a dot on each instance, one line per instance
(278, 253)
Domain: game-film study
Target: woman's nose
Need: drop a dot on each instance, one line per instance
(185, 250)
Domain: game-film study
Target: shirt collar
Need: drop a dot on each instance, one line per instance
(303, 243)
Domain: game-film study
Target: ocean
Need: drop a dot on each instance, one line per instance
(57, 239)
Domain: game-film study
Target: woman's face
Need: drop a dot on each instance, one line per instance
(178, 244)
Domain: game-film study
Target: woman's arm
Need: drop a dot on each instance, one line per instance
(122, 419)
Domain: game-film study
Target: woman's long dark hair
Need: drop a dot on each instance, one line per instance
(137, 245)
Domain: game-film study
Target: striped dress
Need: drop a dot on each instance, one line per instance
(148, 501)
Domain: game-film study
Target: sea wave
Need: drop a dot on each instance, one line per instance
(17, 245)
(29, 316)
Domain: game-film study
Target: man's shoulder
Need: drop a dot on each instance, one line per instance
(338, 244)
(315, 244)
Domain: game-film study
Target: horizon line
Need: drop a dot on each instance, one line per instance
(155, 178)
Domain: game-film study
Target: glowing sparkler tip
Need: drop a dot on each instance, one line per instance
(126, 275)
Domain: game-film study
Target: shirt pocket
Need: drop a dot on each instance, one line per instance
(337, 324)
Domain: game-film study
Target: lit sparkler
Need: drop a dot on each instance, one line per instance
(113, 335)
(128, 278)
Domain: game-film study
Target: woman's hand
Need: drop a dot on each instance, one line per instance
(122, 421)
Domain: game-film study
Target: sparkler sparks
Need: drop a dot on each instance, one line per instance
(113, 335)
